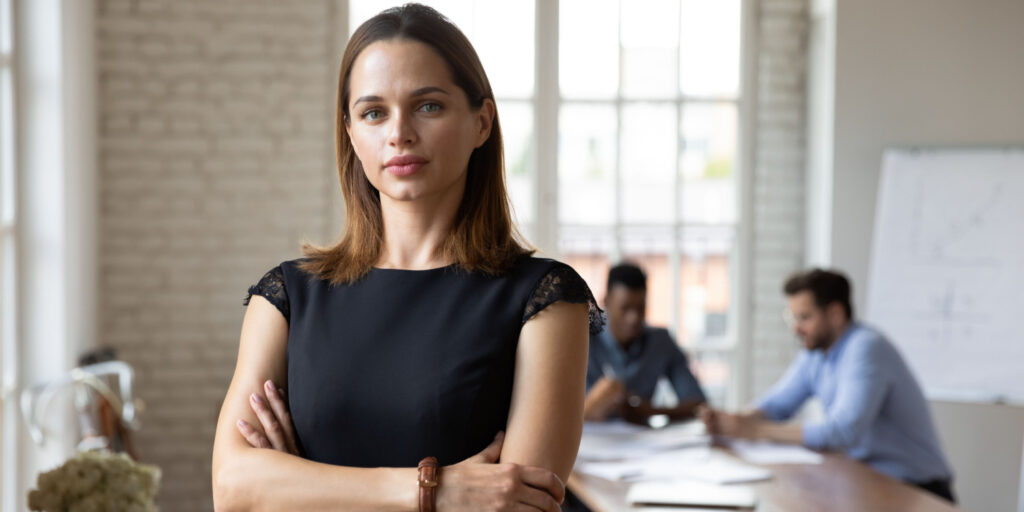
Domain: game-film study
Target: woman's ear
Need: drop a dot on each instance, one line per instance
(485, 120)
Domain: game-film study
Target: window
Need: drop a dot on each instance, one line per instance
(647, 127)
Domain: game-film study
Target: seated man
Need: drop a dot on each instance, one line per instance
(628, 358)
(874, 410)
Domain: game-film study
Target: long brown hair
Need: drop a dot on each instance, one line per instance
(483, 237)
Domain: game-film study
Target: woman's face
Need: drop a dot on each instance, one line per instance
(412, 128)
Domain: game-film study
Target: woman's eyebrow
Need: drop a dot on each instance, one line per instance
(427, 90)
(367, 99)
(418, 92)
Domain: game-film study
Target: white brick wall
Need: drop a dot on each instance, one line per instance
(216, 159)
(778, 180)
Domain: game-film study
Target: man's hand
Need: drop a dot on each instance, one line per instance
(720, 423)
(638, 410)
(604, 397)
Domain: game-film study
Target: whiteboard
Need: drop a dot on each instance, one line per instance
(946, 277)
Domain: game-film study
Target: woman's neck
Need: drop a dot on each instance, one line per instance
(415, 231)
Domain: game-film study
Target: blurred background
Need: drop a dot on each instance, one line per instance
(158, 156)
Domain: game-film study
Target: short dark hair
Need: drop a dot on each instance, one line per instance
(628, 275)
(827, 286)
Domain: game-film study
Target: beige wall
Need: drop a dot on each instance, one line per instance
(215, 160)
(926, 73)
(916, 72)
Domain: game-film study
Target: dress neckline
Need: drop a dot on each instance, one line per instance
(435, 269)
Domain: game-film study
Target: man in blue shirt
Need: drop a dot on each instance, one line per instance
(628, 358)
(874, 409)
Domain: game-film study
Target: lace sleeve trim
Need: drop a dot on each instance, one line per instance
(563, 284)
(271, 287)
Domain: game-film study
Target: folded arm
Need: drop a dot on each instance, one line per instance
(254, 466)
(247, 478)
(546, 416)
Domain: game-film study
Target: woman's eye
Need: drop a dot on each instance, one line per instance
(372, 115)
(430, 107)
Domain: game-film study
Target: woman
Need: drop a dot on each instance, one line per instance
(428, 330)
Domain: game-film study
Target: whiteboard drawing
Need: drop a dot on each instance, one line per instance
(947, 269)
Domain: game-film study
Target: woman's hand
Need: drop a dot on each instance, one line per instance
(479, 484)
(475, 484)
(272, 411)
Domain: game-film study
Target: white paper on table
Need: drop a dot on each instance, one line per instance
(766, 452)
(697, 463)
(691, 493)
(612, 428)
(618, 441)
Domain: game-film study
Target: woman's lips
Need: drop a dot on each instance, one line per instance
(404, 165)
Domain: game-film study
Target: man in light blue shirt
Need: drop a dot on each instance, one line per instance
(628, 358)
(875, 411)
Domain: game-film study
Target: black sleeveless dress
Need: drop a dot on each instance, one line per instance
(405, 364)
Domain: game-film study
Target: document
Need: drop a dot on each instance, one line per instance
(696, 463)
(618, 441)
(766, 452)
(690, 493)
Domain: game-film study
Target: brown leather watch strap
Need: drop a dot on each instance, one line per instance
(430, 476)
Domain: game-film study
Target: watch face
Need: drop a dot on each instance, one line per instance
(635, 400)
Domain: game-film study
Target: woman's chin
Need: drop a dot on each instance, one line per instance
(406, 193)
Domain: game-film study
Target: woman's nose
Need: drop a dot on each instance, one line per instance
(401, 131)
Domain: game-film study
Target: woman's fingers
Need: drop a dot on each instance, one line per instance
(280, 409)
(271, 426)
(543, 480)
(536, 499)
(254, 437)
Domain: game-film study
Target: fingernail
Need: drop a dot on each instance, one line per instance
(243, 425)
(256, 398)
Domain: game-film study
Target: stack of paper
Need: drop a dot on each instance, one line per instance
(765, 452)
(618, 440)
(698, 463)
(695, 494)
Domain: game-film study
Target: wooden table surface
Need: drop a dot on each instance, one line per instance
(839, 484)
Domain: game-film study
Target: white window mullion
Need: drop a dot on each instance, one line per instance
(616, 254)
(741, 268)
(546, 103)
(675, 259)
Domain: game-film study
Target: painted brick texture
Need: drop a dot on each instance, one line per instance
(215, 161)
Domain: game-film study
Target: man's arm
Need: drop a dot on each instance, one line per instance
(764, 420)
(604, 397)
(786, 397)
(862, 382)
(685, 384)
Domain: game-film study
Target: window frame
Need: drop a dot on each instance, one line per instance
(734, 346)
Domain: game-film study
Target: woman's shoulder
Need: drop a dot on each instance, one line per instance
(559, 282)
(534, 265)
